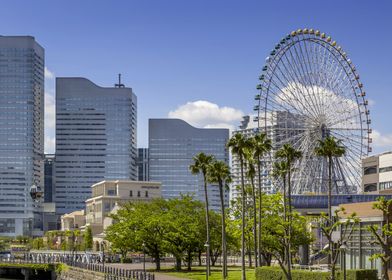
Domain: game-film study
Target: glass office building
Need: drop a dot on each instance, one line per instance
(172, 145)
(142, 164)
(95, 139)
(21, 132)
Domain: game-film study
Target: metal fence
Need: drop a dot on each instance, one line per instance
(111, 273)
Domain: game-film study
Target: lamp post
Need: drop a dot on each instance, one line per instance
(103, 254)
(343, 248)
(207, 258)
(144, 258)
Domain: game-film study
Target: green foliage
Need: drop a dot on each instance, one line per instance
(41, 266)
(61, 267)
(37, 243)
(274, 273)
(88, 238)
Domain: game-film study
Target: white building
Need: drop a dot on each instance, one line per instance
(248, 128)
(377, 173)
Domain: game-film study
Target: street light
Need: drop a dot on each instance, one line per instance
(207, 259)
(343, 248)
(103, 254)
(144, 258)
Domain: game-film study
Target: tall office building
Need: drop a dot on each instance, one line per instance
(95, 139)
(49, 177)
(142, 164)
(21, 132)
(172, 145)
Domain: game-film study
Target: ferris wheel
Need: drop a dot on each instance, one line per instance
(309, 89)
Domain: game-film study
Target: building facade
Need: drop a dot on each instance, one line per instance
(106, 195)
(172, 145)
(95, 139)
(21, 133)
(142, 164)
(377, 173)
(49, 177)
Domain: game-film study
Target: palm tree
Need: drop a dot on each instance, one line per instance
(251, 173)
(279, 172)
(289, 155)
(200, 165)
(239, 145)
(330, 148)
(219, 172)
(261, 146)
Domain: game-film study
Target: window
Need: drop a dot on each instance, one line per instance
(385, 185)
(370, 187)
(146, 193)
(385, 169)
(370, 170)
(138, 193)
(111, 192)
(130, 193)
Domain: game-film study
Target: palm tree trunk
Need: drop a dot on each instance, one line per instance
(330, 256)
(260, 204)
(224, 250)
(243, 221)
(207, 226)
(254, 220)
(290, 221)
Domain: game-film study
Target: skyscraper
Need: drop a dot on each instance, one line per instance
(142, 164)
(21, 132)
(95, 139)
(172, 145)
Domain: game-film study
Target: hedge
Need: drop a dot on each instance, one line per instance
(275, 273)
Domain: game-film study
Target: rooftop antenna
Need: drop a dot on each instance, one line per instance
(119, 85)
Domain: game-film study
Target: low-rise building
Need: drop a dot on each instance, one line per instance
(107, 194)
(73, 220)
(377, 173)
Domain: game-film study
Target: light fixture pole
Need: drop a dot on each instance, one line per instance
(144, 258)
(207, 259)
(343, 248)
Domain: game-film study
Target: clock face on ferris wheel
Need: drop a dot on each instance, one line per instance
(309, 89)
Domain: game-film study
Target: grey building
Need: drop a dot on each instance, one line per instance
(21, 132)
(49, 177)
(172, 145)
(142, 164)
(95, 139)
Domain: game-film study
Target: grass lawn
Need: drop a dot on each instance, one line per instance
(198, 273)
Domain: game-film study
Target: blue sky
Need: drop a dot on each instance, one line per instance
(174, 52)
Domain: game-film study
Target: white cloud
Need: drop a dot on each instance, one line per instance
(205, 114)
(381, 140)
(48, 74)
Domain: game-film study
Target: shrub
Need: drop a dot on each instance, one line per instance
(275, 273)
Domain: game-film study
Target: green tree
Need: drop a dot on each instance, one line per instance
(289, 155)
(88, 238)
(383, 235)
(261, 146)
(275, 229)
(183, 231)
(200, 165)
(251, 173)
(329, 225)
(138, 223)
(330, 148)
(239, 145)
(219, 172)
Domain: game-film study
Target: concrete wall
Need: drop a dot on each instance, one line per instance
(73, 273)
